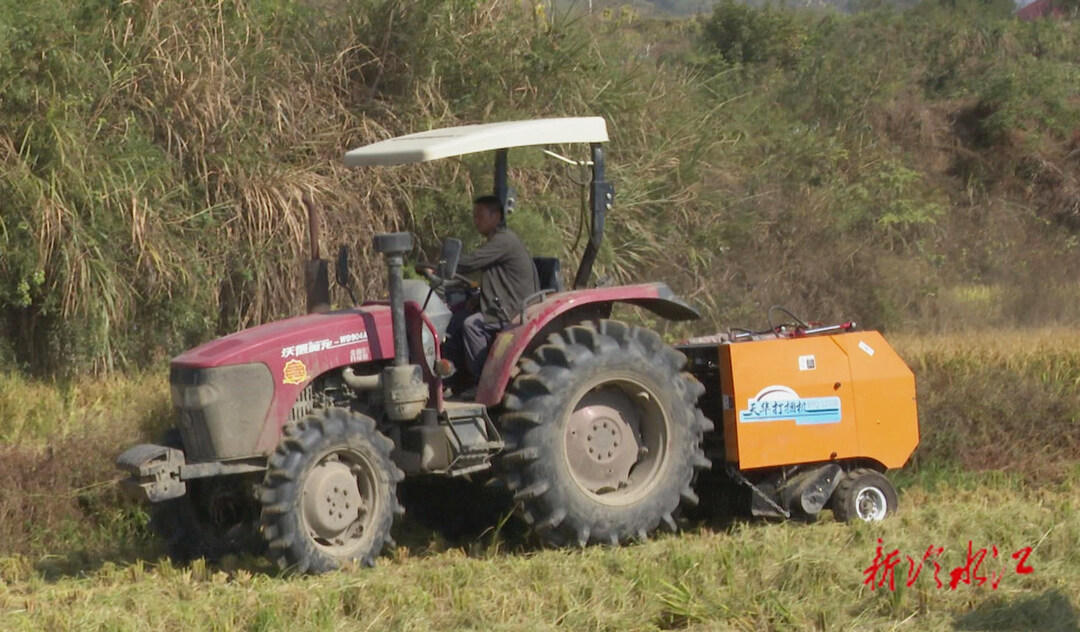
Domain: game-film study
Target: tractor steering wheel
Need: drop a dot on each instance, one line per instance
(427, 270)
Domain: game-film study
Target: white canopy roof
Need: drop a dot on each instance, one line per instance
(467, 139)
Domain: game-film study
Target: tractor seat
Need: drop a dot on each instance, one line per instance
(547, 270)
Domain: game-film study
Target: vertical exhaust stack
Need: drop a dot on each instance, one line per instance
(393, 247)
(404, 392)
(316, 272)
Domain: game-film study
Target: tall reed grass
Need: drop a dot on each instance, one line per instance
(154, 155)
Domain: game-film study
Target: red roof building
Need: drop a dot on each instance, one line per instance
(1038, 9)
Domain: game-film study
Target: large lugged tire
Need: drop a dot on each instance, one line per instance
(864, 494)
(216, 517)
(603, 435)
(329, 496)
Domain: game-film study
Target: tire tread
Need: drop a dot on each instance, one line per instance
(539, 389)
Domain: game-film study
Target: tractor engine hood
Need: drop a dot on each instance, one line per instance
(333, 339)
(233, 395)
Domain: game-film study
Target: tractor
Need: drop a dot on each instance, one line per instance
(291, 437)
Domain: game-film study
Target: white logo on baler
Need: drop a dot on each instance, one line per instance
(781, 403)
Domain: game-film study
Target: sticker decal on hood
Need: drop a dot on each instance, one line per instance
(295, 372)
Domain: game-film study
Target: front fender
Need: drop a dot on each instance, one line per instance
(512, 342)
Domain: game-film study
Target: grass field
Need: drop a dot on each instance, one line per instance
(743, 576)
(998, 468)
(911, 169)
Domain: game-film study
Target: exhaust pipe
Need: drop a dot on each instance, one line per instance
(393, 247)
(316, 272)
(404, 390)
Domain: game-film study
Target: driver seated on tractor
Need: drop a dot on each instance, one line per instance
(509, 277)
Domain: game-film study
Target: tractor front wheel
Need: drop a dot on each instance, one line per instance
(604, 435)
(329, 496)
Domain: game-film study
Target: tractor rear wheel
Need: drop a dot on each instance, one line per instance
(864, 494)
(604, 435)
(329, 495)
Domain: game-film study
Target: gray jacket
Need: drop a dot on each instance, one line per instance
(509, 275)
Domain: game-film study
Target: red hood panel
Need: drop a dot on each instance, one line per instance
(351, 331)
(296, 351)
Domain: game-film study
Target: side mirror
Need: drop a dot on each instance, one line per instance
(448, 260)
(343, 266)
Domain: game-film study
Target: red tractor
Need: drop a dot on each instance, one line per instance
(293, 436)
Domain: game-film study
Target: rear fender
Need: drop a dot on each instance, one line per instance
(511, 343)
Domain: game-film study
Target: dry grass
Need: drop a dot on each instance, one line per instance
(58, 442)
(1015, 346)
(35, 412)
(998, 400)
(746, 576)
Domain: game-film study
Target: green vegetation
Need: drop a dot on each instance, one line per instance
(916, 170)
(884, 166)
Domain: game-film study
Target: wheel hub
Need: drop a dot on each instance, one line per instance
(602, 440)
(870, 504)
(332, 500)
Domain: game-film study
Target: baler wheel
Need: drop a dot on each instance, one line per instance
(603, 435)
(329, 496)
(864, 494)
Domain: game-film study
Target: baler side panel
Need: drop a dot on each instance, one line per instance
(884, 397)
(792, 402)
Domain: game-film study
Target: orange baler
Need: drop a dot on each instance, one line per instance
(809, 421)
